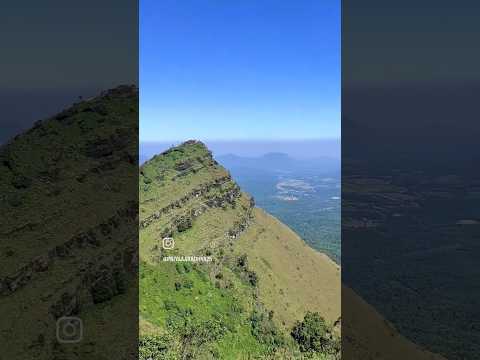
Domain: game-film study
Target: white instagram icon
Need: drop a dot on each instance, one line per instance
(168, 243)
(69, 329)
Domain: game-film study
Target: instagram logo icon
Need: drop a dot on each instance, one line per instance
(69, 329)
(168, 243)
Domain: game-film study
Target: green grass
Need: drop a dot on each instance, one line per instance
(162, 305)
(208, 312)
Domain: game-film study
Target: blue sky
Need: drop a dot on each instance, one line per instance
(249, 69)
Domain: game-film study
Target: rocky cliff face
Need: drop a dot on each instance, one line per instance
(69, 229)
(184, 186)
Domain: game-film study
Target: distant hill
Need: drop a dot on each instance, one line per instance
(281, 162)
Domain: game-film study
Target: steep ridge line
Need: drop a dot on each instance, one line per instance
(68, 231)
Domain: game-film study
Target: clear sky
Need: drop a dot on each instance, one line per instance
(249, 69)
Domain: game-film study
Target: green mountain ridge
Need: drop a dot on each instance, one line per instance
(68, 231)
(68, 247)
(261, 282)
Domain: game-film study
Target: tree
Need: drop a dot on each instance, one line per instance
(312, 333)
(157, 347)
(265, 331)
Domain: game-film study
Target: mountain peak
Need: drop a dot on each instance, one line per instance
(191, 201)
(191, 151)
(193, 142)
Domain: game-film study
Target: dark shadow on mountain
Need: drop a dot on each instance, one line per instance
(410, 220)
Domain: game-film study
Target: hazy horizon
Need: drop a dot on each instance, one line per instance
(298, 149)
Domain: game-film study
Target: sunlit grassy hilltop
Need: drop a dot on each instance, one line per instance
(262, 278)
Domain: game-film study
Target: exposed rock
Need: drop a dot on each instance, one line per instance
(239, 227)
(183, 223)
(67, 305)
(183, 165)
(68, 249)
(19, 279)
(41, 263)
(195, 193)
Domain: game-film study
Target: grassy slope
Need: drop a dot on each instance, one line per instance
(66, 176)
(157, 279)
(287, 269)
(294, 278)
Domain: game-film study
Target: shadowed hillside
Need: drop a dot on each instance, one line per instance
(68, 231)
(367, 335)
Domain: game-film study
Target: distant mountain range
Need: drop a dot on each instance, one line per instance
(326, 149)
(281, 162)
